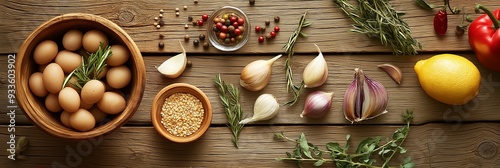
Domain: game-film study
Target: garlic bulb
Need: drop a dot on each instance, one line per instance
(266, 107)
(317, 104)
(257, 74)
(316, 72)
(174, 66)
(365, 98)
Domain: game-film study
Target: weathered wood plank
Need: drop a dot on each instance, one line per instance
(430, 145)
(330, 26)
(408, 95)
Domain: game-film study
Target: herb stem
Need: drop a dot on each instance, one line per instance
(229, 96)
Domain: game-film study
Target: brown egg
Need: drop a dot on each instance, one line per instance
(52, 103)
(35, 82)
(53, 78)
(69, 99)
(92, 39)
(118, 77)
(98, 114)
(111, 103)
(65, 119)
(92, 91)
(82, 120)
(120, 55)
(68, 60)
(72, 40)
(45, 52)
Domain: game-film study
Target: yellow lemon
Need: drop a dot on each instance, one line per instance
(449, 78)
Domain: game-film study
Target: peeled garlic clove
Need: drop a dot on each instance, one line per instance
(266, 107)
(316, 72)
(393, 71)
(174, 66)
(317, 104)
(257, 74)
(365, 98)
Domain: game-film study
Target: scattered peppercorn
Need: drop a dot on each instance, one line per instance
(201, 37)
(268, 36)
(204, 17)
(185, 7)
(160, 15)
(196, 42)
(262, 29)
(261, 39)
(161, 36)
(161, 45)
(189, 63)
(276, 29)
(276, 19)
(272, 34)
(177, 13)
(195, 1)
(205, 45)
(155, 24)
(156, 18)
(200, 22)
(161, 10)
(190, 18)
(177, 9)
(161, 23)
(257, 29)
(158, 26)
(186, 37)
(195, 23)
(268, 22)
(252, 2)
(186, 26)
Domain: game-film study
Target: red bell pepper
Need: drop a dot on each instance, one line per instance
(484, 38)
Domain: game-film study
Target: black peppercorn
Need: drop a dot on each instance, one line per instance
(161, 45)
(276, 19)
(190, 18)
(161, 36)
(196, 42)
(161, 23)
(227, 41)
(205, 45)
(252, 2)
(202, 37)
(268, 22)
(195, 23)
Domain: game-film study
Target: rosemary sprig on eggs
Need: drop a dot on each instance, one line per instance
(91, 68)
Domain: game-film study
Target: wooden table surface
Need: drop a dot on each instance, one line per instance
(441, 135)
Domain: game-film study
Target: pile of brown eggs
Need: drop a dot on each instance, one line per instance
(80, 106)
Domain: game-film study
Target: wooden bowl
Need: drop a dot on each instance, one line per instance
(166, 92)
(33, 106)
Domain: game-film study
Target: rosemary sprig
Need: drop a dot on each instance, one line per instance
(92, 65)
(308, 152)
(229, 97)
(288, 68)
(378, 18)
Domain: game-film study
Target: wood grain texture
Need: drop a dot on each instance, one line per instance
(408, 95)
(430, 145)
(330, 26)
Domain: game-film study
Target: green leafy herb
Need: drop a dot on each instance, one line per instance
(289, 50)
(308, 152)
(22, 144)
(426, 5)
(92, 65)
(378, 18)
(229, 97)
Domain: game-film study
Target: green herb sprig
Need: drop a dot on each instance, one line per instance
(92, 65)
(290, 51)
(229, 97)
(307, 152)
(378, 18)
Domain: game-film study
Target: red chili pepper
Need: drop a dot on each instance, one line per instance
(441, 22)
(484, 38)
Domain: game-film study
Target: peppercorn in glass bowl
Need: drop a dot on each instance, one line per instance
(181, 112)
(228, 28)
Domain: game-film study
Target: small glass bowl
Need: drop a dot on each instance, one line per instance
(213, 35)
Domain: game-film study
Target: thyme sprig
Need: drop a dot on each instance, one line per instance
(307, 152)
(92, 65)
(290, 51)
(229, 97)
(378, 18)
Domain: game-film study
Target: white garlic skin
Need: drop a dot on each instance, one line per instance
(316, 72)
(256, 75)
(174, 66)
(317, 104)
(265, 108)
